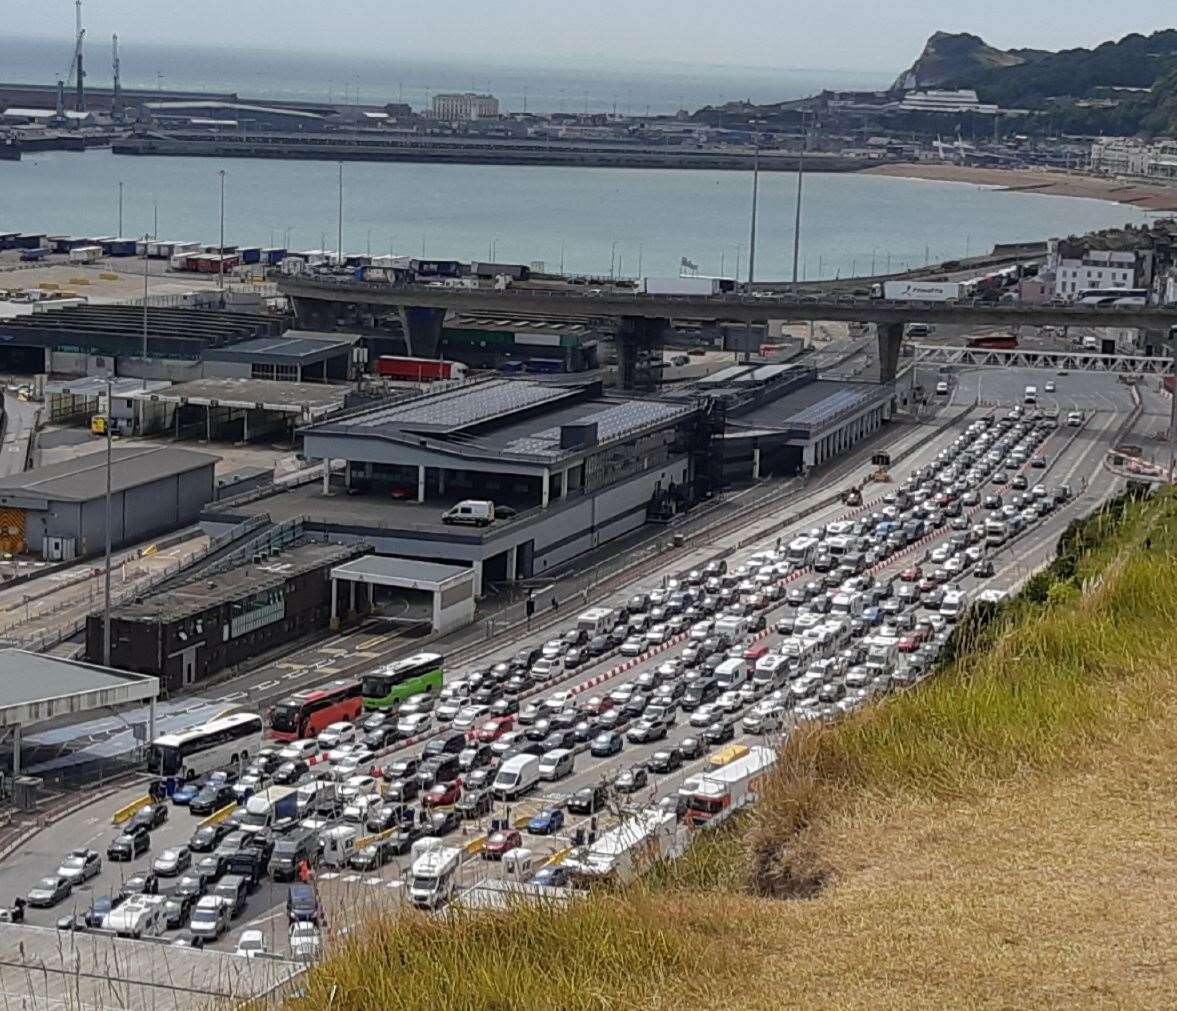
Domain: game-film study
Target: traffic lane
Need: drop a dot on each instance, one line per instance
(1075, 391)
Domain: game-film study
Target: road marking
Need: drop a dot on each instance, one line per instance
(262, 686)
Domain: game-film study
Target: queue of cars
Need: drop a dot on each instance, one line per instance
(847, 637)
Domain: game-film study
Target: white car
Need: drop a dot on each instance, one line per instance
(940, 554)
(955, 565)
(656, 636)
(294, 751)
(470, 717)
(1049, 386)
(729, 702)
(559, 701)
(546, 667)
(305, 941)
(414, 724)
(251, 944)
(356, 785)
(705, 715)
(633, 646)
(335, 734)
(700, 630)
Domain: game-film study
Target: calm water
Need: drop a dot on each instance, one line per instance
(570, 86)
(589, 217)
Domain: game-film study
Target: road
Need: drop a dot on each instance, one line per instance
(20, 420)
(1074, 455)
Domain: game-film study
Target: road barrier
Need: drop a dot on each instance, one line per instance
(558, 857)
(127, 811)
(218, 816)
(475, 845)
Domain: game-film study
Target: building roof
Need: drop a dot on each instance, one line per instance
(389, 571)
(291, 348)
(205, 591)
(35, 687)
(84, 478)
(310, 400)
(812, 406)
(95, 386)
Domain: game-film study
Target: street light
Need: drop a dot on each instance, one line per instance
(106, 574)
(221, 257)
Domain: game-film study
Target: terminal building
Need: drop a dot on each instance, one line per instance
(567, 469)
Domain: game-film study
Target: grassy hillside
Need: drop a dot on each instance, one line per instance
(1002, 837)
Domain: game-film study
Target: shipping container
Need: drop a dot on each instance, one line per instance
(273, 255)
(119, 247)
(418, 370)
(85, 254)
(546, 366)
(688, 285)
(921, 291)
(250, 254)
(437, 268)
(29, 240)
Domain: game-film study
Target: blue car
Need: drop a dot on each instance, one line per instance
(184, 793)
(546, 822)
(872, 615)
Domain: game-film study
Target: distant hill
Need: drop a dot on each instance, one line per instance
(1030, 79)
(947, 56)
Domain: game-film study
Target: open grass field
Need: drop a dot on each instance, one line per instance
(1003, 837)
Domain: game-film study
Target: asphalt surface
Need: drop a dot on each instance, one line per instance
(1075, 455)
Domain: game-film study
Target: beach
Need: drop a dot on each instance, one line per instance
(1143, 196)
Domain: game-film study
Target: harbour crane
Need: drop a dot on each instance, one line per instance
(75, 67)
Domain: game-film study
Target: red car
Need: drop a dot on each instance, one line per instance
(492, 730)
(403, 491)
(910, 575)
(755, 651)
(908, 644)
(500, 843)
(596, 705)
(443, 794)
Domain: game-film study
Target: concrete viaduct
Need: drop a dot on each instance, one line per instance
(642, 319)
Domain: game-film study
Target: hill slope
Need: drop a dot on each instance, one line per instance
(947, 56)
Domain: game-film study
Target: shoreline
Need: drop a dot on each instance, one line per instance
(1041, 182)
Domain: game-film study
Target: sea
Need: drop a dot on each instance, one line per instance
(618, 222)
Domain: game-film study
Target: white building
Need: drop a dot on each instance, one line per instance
(1099, 268)
(961, 100)
(461, 108)
(1131, 157)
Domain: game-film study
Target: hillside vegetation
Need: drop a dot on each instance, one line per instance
(1003, 836)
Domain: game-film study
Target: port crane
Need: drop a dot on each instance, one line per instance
(75, 67)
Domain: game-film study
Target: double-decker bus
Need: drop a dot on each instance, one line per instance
(221, 742)
(305, 713)
(395, 682)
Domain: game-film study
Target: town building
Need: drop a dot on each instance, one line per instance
(461, 108)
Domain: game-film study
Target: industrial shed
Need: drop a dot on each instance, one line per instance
(59, 511)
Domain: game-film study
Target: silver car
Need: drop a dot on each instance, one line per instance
(80, 865)
(172, 862)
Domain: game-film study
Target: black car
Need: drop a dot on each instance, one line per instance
(474, 804)
(177, 909)
(442, 823)
(187, 939)
(559, 739)
(598, 645)
(212, 799)
(525, 659)
(632, 780)
(691, 747)
(664, 762)
(144, 883)
(588, 799)
(720, 733)
(438, 769)
(151, 816)
(212, 867)
(504, 707)
(373, 856)
(479, 779)
(101, 905)
(132, 842)
(208, 838)
(446, 744)
(289, 773)
(382, 817)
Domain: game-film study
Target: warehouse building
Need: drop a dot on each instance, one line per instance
(194, 629)
(59, 511)
(567, 469)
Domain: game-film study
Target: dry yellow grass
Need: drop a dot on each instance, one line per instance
(1004, 838)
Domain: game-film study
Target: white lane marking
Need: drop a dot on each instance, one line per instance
(266, 684)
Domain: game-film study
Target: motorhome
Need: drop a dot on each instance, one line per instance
(722, 791)
(881, 651)
(802, 551)
(953, 605)
(597, 620)
(626, 851)
(433, 876)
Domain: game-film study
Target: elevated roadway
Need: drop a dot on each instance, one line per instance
(643, 317)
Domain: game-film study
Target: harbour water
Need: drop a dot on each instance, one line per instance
(590, 220)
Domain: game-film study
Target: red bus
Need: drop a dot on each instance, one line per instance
(998, 342)
(305, 713)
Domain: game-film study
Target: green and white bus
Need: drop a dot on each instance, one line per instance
(395, 682)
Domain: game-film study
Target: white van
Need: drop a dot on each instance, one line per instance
(1031, 395)
(847, 604)
(470, 512)
(339, 844)
(732, 673)
(597, 620)
(954, 604)
(432, 877)
(557, 764)
(516, 777)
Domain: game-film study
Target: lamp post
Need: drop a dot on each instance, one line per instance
(221, 257)
(106, 573)
(145, 239)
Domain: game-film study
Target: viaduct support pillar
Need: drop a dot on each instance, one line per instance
(422, 330)
(639, 342)
(312, 314)
(890, 337)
